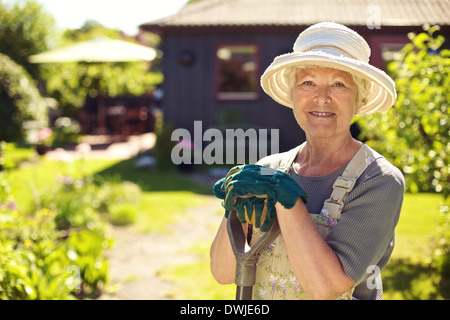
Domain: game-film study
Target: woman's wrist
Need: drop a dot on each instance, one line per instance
(299, 201)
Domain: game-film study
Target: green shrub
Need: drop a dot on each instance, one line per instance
(35, 267)
(441, 254)
(112, 190)
(163, 147)
(71, 201)
(85, 252)
(123, 213)
(14, 281)
(56, 252)
(19, 99)
(66, 131)
(37, 259)
(118, 200)
(413, 135)
(83, 203)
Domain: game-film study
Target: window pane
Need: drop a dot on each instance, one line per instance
(237, 72)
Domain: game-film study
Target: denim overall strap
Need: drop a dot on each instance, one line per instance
(345, 183)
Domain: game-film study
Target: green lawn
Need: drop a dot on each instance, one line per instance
(408, 274)
(417, 226)
(195, 281)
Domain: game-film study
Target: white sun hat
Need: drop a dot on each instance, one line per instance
(332, 45)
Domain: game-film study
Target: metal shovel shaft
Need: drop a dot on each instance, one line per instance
(244, 293)
(246, 260)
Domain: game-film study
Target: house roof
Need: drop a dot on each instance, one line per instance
(307, 12)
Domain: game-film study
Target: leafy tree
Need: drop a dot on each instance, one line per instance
(415, 134)
(26, 29)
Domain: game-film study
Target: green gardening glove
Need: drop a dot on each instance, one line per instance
(259, 181)
(246, 180)
(256, 212)
(219, 187)
(287, 190)
(250, 209)
(243, 182)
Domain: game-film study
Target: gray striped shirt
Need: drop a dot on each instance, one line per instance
(363, 239)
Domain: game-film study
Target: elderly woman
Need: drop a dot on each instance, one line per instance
(334, 245)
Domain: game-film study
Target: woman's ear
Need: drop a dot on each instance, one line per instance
(359, 104)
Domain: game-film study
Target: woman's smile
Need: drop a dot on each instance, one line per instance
(317, 114)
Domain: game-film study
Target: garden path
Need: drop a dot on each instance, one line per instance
(104, 147)
(136, 258)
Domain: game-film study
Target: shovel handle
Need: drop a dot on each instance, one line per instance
(246, 260)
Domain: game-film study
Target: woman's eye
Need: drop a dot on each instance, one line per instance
(307, 83)
(339, 84)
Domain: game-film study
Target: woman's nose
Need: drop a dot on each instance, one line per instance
(322, 96)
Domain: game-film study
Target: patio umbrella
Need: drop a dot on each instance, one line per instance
(97, 50)
(100, 49)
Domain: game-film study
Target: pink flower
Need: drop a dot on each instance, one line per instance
(66, 180)
(11, 205)
(44, 134)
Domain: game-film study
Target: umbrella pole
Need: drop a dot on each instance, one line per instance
(101, 113)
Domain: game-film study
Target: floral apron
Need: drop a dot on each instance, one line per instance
(275, 278)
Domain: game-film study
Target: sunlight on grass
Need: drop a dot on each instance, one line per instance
(195, 281)
(159, 209)
(417, 226)
(408, 274)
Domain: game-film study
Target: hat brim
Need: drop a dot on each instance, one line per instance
(275, 80)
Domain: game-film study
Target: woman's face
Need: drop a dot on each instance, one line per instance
(324, 101)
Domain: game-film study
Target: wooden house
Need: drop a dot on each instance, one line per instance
(214, 52)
